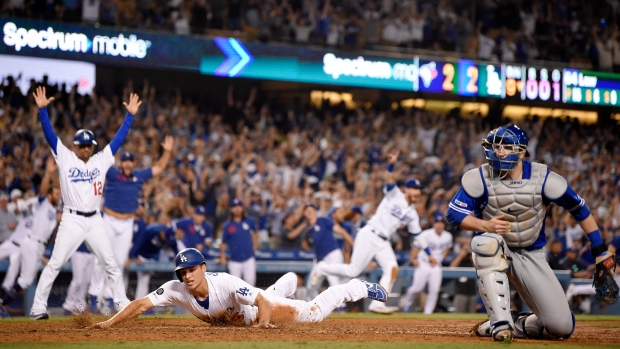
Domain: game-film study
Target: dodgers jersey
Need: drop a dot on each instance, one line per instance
(121, 192)
(227, 293)
(82, 183)
(44, 221)
(393, 212)
(238, 237)
(24, 221)
(321, 236)
(437, 244)
(193, 234)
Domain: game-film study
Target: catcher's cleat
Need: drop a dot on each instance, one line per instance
(505, 336)
(481, 329)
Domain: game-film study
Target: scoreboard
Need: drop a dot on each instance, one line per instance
(232, 58)
(588, 87)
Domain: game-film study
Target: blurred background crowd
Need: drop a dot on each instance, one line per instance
(580, 32)
(276, 157)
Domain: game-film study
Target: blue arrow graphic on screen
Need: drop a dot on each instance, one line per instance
(237, 57)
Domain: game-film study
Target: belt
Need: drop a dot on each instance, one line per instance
(85, 214)
(379, 235)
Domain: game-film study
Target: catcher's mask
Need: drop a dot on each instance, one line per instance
(186, 258)
(509, 139)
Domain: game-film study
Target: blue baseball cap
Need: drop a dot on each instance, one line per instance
(236, 202)
(200, 210)
(356, 209)
(84, 137)
(438, 217)
(127, 156)
(413, 183)
(309, 204)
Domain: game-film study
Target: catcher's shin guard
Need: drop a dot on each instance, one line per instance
(495, 293)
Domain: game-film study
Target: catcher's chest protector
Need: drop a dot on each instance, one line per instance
(520, 201)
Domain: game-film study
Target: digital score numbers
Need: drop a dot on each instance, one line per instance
(468, 78)
(586, 87)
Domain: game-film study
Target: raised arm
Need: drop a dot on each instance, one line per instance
(132, 109)
(161, 164)
(389, 176)
(50, 168)
(132, 310)
(48, 130)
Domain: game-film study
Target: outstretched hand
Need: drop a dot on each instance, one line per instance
(101, 325)
(392, 158)
(40, 99)
(50, 165)
(168, 143)
(265, 325)
(133, 105)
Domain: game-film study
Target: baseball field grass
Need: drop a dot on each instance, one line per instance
(344, 331)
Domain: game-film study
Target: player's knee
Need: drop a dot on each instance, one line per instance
(560, 328)
(488, 254)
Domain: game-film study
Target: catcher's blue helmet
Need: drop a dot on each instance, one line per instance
(186, 258)
(509, 137)
(84, 137)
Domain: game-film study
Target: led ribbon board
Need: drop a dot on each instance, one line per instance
(230, 57)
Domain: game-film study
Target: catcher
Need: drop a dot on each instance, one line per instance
(224, 299)
(504, 201)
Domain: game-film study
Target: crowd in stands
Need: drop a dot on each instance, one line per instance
(511, 31)
(275, 158)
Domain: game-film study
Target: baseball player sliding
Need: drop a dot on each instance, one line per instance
(504, 201)
(122, 188)
(82, 178)
(373, 240)
(225, 299)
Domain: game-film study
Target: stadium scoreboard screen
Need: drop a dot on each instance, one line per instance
(588, 87)
(230, 57)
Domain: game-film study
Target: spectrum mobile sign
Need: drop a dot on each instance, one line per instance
(49, 39)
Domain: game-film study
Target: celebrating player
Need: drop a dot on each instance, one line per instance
(504, 201)
(81, 182)
(373, 240)
(239, 233)
(224, 298)
(32, 246)
(320, 235)
(123, 185)
(439, 243)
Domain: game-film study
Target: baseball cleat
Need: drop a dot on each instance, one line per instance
(375, 291)
(39, 316)
(505, 336)
(481, 329)
(382, 309)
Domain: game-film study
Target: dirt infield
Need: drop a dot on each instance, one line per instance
(385, 329)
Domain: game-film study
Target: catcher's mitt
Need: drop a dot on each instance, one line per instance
(604, 283)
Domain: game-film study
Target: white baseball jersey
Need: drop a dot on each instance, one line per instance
(82, 183)
(394, 212)
(24, 221)
(227, 293)
(44, 221)
(437, 244)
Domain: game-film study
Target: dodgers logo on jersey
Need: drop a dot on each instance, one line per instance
(77, 175)
(244, 291)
